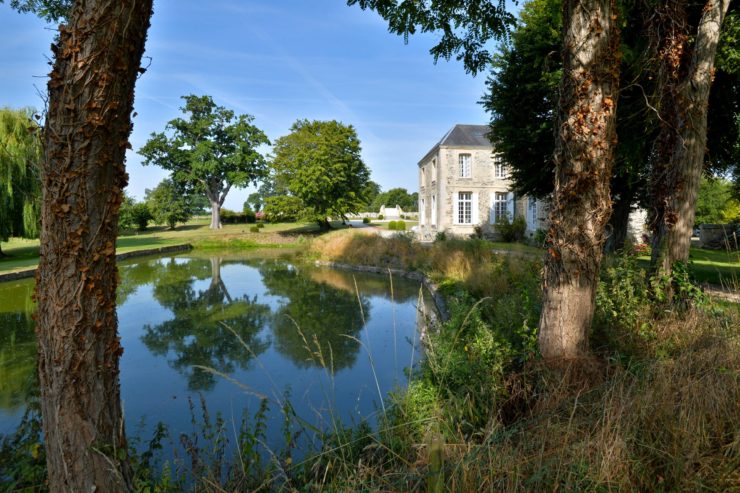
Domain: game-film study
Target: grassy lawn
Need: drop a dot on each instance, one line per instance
(23, 254)
(712, 266)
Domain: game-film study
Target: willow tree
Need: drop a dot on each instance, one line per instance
(20, 186)
(97, 58)
(686, 39)
(584, 152)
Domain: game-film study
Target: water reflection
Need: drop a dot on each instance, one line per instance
(206, 323)
(318, 324)
(183, 311)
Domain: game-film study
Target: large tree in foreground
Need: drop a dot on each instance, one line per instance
(210, 152)
(586, 137)
(97, 60)
(320, 163)
(686, 39)
(20, 184)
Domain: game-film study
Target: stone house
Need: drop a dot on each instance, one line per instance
(464, 184)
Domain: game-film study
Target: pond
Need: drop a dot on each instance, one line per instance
(234, 329)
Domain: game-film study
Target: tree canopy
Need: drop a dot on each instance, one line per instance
(20, 188)
(168, 204)
(210, 152)
(320, 163)
(463, 26)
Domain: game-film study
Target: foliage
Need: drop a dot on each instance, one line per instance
(167, 204)
(231, 217)
(50, 10)
(253, 202)
(254, 229)
(365, 220)
(20, 188)
(320, 163)
(210, 152)
(284, 209)
(715, 204)
(133, 214)
(396, 197)
(463, 26)
(509, 230)
(371, 191)
(523, 95)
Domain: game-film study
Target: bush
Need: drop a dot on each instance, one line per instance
(231, 217)
(260, 225)
(511, 231)
(540, 237)
(284, 208)
(392, 225)
(400, 226)
(254, 229)
(381, 217)
(365, 220)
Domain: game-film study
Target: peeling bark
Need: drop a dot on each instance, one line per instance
(91, 93)
(685, 77)
(584, 157)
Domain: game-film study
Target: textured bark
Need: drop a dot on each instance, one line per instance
(684, 78)
(91, 93)
(215, 215)
(584, 157)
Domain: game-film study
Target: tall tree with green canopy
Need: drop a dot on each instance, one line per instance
(320, 163)
(97, 60)
(584, 144)
(20, 183)
(210, 152)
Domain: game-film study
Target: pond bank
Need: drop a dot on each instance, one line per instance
(24, 274)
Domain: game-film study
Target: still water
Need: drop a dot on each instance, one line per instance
(262, 325)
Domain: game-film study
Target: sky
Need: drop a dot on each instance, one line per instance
(280, 61)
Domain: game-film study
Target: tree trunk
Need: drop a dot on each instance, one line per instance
(619, 222)
(685, 77)
(215, 214)
(584, 156)
(91, 93)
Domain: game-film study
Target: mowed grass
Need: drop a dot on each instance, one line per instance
(719, 267)
(24, 254)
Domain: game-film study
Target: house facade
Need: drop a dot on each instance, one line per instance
(463, 184)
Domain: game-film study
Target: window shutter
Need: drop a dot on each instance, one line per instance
(474, 204)
(510, 204)
(491, 210)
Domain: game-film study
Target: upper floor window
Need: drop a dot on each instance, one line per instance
(465, 164)
(499, 167)
(434, 169)
(465, 207)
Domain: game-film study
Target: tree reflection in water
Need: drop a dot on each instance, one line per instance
(201, 331)
(312, 325)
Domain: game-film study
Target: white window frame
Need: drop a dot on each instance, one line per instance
(464, 209)
(499, 205)
(422, 212)
(465, 162)
(434, 169)
(499, 167)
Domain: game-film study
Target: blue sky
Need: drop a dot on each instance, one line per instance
(279, 60)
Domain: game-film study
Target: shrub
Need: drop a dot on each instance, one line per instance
(260, 225)
(381, 217)
(231, 217)
(400, 226)
(254, 229)
(441, 236)
(540, 237)
(365, 220)
(511, 231)
(284, 208)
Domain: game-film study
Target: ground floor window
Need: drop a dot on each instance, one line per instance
(533, 212)
(499, 206)
(465, 207)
